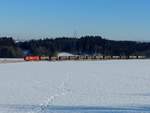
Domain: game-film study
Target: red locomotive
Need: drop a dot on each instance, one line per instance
(32, 58)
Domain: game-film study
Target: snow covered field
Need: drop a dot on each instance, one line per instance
(10, 60)
(74, 83)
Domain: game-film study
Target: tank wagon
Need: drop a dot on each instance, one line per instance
(82, 57)
(44, 57)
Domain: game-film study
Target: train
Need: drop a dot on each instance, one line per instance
(79, 57)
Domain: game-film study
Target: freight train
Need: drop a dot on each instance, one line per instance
(82, 57)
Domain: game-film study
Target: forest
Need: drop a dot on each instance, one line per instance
(86, 45)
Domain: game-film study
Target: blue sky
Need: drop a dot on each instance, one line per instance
(113, 19)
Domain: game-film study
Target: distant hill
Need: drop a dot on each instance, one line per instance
(91, 45)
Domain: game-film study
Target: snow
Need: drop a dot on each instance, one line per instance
(65, 54)
(87, 83)
(10, 60)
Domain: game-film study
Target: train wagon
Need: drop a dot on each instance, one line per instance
(141, 57)
(81, 57)
(72, 57)
(44, 57)
(116, 57)
(124, 57)
(61, 58)
(53, 58)
(133, 57)
(107, 57)
(99, 57)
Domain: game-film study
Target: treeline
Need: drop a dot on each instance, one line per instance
(87, 45)
(9, 49)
